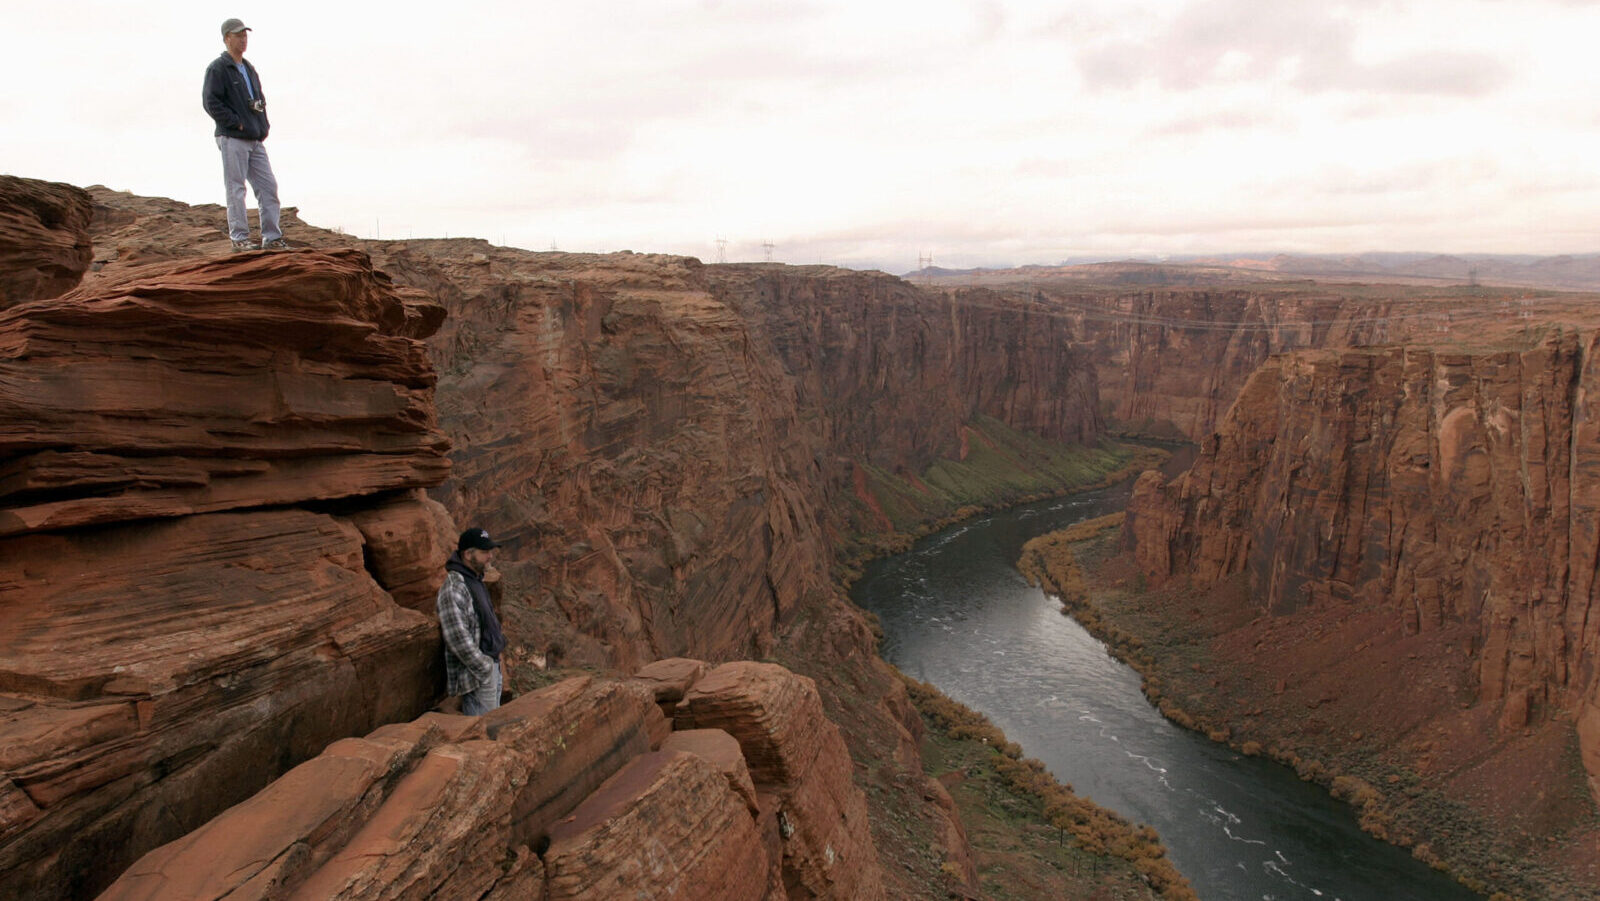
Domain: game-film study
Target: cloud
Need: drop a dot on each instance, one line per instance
(1306, 46)
(1222, 120)
(1439, 73)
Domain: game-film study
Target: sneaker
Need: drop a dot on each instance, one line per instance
(242, 246)
(275, 244)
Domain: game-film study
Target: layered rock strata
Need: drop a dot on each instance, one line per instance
(1170, 361)
(664, 445)
(574, 791)
(1441, 502)
(664, 451)
(44, 238)
(197, 461)
(668, 446)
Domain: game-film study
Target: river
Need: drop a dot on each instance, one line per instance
(957, 613)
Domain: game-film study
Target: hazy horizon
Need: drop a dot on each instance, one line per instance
(987, 134)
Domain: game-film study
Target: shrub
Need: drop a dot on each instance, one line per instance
(1093, 828)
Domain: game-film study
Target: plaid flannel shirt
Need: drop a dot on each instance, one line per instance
(465, 666)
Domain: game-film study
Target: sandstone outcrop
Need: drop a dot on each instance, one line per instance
(558, 794)
(1432, 516)
(197, 460)
(250, 381)
(798, 758)
(667, 446)
(44, 238)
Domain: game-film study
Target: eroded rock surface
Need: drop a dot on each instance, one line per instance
(665, 446)
(190, 455)
(798, 759)
(44, 238)
(558, 794)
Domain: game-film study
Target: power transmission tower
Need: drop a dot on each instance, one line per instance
(767, 247)
(722, 250)
(925, 263)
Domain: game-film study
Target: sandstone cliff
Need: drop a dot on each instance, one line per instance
(210, 475)
(677, 450)
(1170, 360)
(1420, 526)
(1172, 345)
(661, 442)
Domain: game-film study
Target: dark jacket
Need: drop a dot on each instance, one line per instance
(226, 99)
(491, 640)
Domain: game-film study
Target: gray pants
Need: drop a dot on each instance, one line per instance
(484, 698)
(243, 160)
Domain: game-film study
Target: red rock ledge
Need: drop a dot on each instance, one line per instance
(560, 794)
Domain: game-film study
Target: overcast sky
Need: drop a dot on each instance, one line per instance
(862, 133)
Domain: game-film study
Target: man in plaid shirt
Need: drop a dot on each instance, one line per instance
(472, 637)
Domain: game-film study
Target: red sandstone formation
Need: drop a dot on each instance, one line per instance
(1171, 360)
(555, 795)
(44, 238)
(255, 380)
(797, 759)
(196, 462)
(668, 446)
(665, 444)
(1444, 503)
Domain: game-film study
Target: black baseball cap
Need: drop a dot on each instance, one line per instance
(476, 538)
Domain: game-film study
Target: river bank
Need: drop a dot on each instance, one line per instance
(1015, 813)
(1031, 836)
(1190, 668)
(1001, 469)
(956, 613)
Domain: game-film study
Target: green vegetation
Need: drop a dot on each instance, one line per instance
(1002, 467)
(1106, 852)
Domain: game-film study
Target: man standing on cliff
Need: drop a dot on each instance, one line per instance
(472, 637)
(233, 97)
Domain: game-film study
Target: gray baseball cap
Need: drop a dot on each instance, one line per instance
(232, 25)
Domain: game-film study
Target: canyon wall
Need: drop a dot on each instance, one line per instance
(211, 479)
(672, 448)
(1170, 361)
(659, 443)
(1453, 485)
(1421, 526)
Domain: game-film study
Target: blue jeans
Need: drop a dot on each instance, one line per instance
(243, 160)
(485, 697)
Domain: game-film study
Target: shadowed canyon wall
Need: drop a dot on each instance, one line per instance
(670, 447)
(1170, 361)
(1432, 515)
